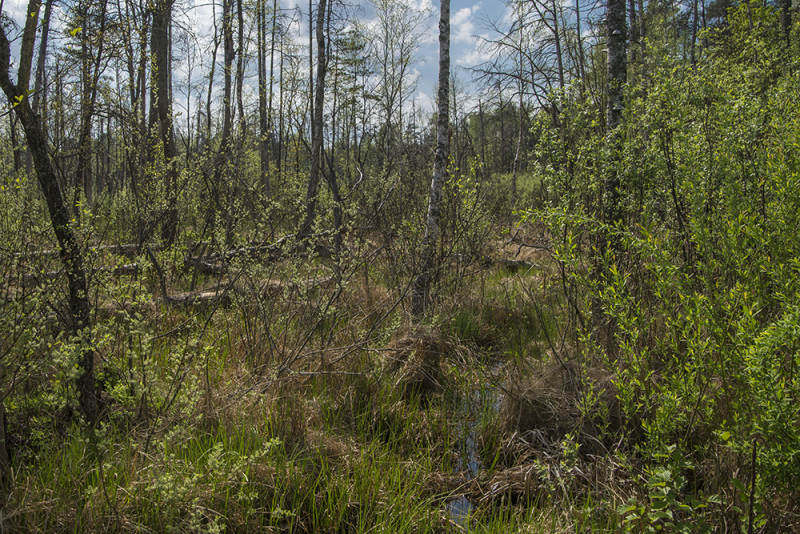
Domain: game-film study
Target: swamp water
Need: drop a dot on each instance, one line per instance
(480, 401)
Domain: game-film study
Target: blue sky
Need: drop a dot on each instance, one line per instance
(467, 26)
(468, 23)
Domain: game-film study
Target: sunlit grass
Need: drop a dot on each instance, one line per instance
(288, 411)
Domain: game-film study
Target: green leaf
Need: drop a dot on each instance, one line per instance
(75, 31)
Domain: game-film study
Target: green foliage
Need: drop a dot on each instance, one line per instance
(670, 507)
(699, 286)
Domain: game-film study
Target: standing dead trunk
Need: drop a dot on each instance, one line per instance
(421, 285)
(162, 142)
(316, 128)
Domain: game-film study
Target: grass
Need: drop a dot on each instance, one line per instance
(311, 408)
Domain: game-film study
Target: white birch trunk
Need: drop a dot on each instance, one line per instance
(421, 286)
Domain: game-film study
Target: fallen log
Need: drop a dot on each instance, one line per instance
(199, 298)
(33, 280)
(216, 263)
(205, 267)
(129, 251)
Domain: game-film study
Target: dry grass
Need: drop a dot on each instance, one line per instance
(551, 401)
(416, 360)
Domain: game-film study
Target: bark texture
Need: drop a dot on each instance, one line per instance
(421, 286)
(160, 122)
(17, 94)
(316, 124)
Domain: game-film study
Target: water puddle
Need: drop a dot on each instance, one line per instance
(459, 510)
(469, 461)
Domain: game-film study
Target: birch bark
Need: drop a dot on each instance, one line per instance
(421, 285)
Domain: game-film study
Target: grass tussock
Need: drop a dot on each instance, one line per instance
(416, 359)
(304, 403)
(560, 399)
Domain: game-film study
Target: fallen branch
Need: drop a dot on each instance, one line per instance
(216, 263)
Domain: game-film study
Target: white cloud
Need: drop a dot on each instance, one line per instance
(475, 54)
(424, 6)
(462, 25)
(424, 103)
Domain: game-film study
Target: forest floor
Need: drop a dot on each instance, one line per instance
(272, 389)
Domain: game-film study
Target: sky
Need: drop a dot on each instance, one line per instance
(468, 24)
(467, 27)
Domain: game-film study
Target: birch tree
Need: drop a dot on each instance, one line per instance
(422, 282)
(395, 36)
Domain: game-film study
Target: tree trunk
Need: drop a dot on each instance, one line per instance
(421, 285)
(557, 37)
(581, 54)
(695, 17)
(39, 86)
(80, 327)
(223, 160)
(786, 20)
(604, 325)
(617, 75)
(316, 122)
(162, 143)
(261, 24)
(270, 157)
(242, 134)
(91, 66)
(12, 127)
(211, 86)
(5, 457)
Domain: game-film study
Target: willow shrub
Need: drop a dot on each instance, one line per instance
(702, 282)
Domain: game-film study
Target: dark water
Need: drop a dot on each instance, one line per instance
(460, 508)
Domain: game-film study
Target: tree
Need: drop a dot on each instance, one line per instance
(617, 76)
(395, 38)
(162, 142)
(91, 34)
(316, 123)
(70, 250)
(422, 282)
(786, 20)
